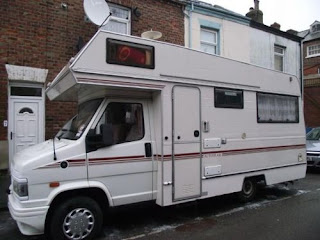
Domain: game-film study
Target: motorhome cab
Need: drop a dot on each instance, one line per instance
(156, 122)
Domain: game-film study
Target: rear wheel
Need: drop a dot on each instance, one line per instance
(249, 190)
(76, 218)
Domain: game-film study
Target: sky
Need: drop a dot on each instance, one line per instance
(290, 14)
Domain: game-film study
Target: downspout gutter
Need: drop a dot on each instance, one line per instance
(190, 25)
(189, 15)
(301, 70)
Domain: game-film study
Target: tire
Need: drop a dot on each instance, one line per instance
(76, 218)
(248, 191)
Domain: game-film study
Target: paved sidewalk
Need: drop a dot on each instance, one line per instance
(4, 184)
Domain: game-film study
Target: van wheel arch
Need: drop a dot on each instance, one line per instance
(96, 194)
(249, 188)
(78, 217)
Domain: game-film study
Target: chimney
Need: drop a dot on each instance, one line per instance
(293, 32)
(255, 13)
(256, 4)
(275, 25)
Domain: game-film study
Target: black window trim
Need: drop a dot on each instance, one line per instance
(278, 94)
(216, 105)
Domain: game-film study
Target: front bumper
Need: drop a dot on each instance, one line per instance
(313, 162)
(31, 221)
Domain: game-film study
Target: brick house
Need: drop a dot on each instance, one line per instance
(311, 72)
(37, 38)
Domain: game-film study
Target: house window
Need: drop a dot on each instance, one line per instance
(228, 98)
(26, 91)
(275, 108)
(120, 20)
(209, 41)
(313, 51)
(279, 58)
(315, 28)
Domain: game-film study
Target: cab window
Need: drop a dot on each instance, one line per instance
(126, 120)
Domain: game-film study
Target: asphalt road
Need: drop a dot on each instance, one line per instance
(279, 212)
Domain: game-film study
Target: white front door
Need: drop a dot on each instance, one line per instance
(26, 121)
(25, 129)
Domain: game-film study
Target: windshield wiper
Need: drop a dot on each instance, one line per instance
(63, 130)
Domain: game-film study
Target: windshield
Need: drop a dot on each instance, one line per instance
(74, 128)
(314, 134)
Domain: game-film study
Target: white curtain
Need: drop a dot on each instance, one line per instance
(277, 108)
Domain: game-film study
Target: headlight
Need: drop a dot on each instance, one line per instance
(21, 187)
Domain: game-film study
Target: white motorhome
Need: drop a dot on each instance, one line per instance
(156, 122)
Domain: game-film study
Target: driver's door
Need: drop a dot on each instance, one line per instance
(125, 167)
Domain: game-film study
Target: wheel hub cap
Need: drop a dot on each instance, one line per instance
(247, 188)
(78, 224)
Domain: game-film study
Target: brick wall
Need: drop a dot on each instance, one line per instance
(312, 64)
(311, 87)
(312, 106)
(39, 33)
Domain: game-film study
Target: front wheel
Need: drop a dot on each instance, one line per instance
(76, 218)
(248, 191)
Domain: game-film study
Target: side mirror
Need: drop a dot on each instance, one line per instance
(107, 134)
(95, 141)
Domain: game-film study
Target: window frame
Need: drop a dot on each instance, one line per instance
(216, 44)
(120, 20)
(315, 54)
(283, 95)
(224, 105)
(279, 55)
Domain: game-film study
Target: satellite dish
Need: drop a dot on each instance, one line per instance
(151, 34)
(97, 11)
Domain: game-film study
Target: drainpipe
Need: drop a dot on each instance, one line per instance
(190, 27)
(189, 15)
(301, 70)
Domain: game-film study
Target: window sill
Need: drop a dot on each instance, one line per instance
(312, 56)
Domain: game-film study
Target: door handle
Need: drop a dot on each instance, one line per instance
(148, 149)
(11, 135)
(167, 183)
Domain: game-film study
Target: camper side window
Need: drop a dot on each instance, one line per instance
(228, 98)
(126, 120)
(276, 108)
